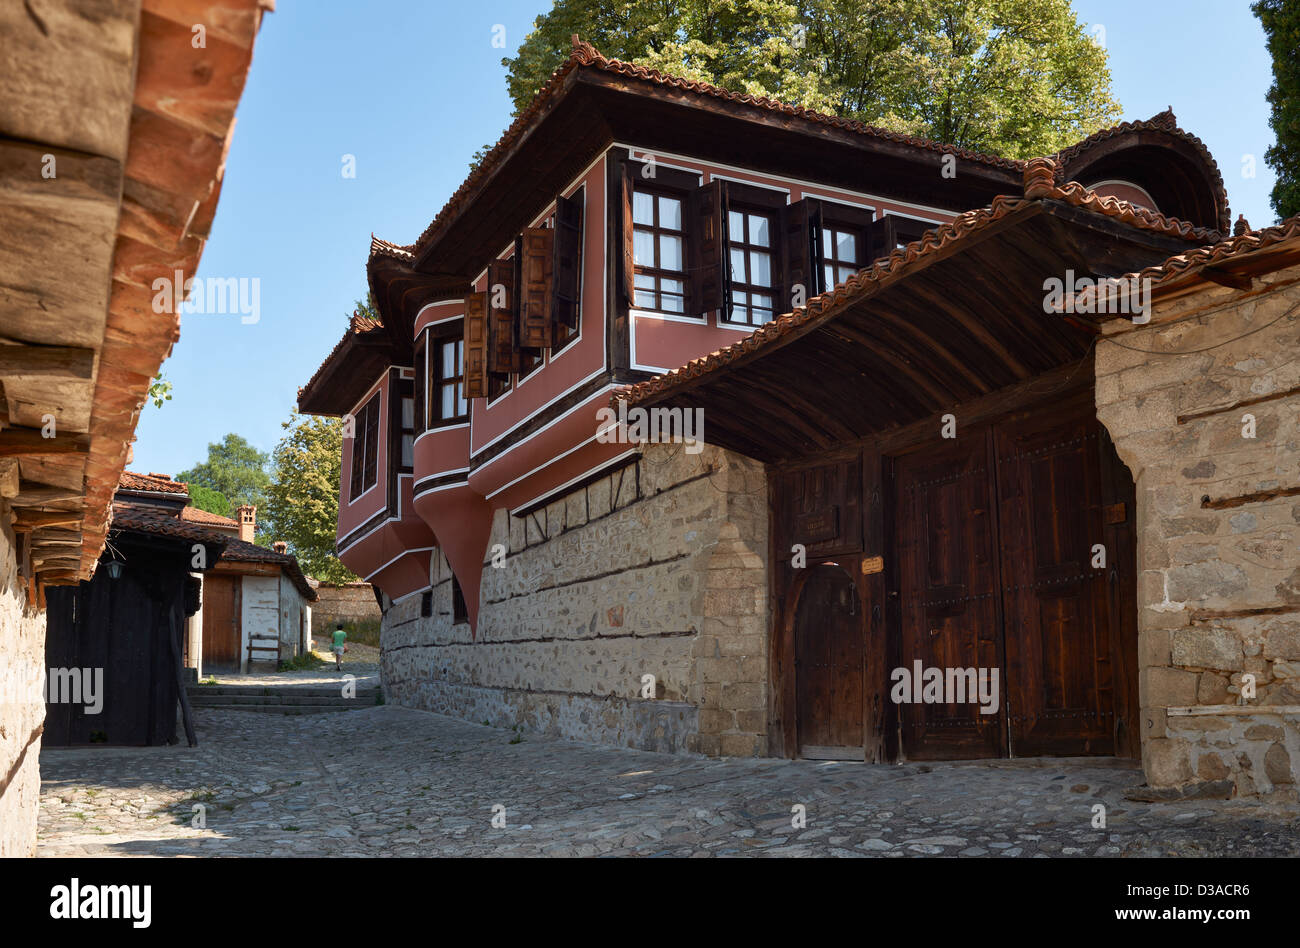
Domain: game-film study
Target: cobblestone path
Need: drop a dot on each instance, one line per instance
(393, 781)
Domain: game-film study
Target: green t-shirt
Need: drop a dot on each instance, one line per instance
(339, 636)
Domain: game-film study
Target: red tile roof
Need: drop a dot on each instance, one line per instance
(160, 483)
(196, 515)
(237, 551)
(585, 55)
(159, 522)
(1186, 264)
(1039, 178)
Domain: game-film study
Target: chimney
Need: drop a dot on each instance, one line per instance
(247, 517)
(280, 546)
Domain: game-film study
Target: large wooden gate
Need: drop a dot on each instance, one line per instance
(1007, 551)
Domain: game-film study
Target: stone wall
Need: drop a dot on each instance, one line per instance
(22, 662)
(343, 602)
(1208, 425)
(656, 569)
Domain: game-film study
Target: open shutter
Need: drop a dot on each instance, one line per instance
(882, 238)
(501, 317)
(372, 442)
(713, 276)
(421, 382)
(629, 256)
(535, 327)
(567, 266)
(476, 380)
(801, 231)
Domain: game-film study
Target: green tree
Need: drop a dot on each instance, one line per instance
(205, 498)
(1013, 77)
(303, 498)
(236, 470)
(1281, 22)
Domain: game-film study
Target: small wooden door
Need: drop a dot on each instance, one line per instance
(1059, 681)
(829, 654)
(221, 626)
(947, 597)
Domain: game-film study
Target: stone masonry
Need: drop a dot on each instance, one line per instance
(656, 569)
(1207, 423)
(22, 643)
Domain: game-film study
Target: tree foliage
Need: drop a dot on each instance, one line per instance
(1012, 77)
(235, 469)
(303, 497)
(213, 501)
(1281, 22)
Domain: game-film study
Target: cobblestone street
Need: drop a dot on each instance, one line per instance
(389, 781)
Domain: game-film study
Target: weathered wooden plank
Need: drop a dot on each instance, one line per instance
(42, 361)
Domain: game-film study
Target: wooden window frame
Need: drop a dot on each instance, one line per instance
(364, 475)
(438, 382)
(735, 283)
(656, 191)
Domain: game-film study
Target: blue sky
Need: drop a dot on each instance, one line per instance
(412, 88)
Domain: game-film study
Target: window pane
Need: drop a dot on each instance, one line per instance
(827, 238)
(673, 304)
(846, 272)
(670, 213)
(828, 274)
(762, 316)
(672, 286)
(462, 407)
(448, 401)
(408, 412)
(760, 268)
(408, 450)
(738, 296)
(670, 252)
(643, 248)
(644, 281)
(448, 360)
(645, 298)
(643, 208)
(761, 301)
(758, 230)
(738, 265)
(736, 225)
(846, 247)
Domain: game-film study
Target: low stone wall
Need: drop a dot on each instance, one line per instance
(1207, 422)
(343, 602)
(656, 569)
(22, 661)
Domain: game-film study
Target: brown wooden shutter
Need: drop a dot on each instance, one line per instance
(629, 255)
(882, 237)
(421, 382)
(476, 380)
(501, 319)
(567, 266)
(713, 276)
(801, 225)
(372, 442)
(535, 326)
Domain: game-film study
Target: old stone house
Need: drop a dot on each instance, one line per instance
(903, 441)
(113, 135)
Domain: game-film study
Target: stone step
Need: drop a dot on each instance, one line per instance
(279, 708)
(324, 691)
(320, 701)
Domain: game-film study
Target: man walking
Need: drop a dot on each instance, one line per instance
(339, 638)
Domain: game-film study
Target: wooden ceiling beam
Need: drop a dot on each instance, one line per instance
(31, 442)
(63, 362)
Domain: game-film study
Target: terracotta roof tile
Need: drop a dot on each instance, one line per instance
(1039, 175)
(156, 522)
(1186, 263)
(160, 483)
(585, 55)
(196, 515)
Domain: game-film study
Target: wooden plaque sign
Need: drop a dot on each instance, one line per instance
(818, 527)
(873, 564)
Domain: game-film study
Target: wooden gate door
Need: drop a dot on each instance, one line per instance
(945, 595)
(221, 626)
(829, 642)
(1060, 685)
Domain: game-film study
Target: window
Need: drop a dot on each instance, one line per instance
(842, 247)
(750, 245)
(408, 432)
(659, 252)
(365, 448)
(426, 604)
(447, 402)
